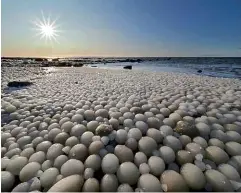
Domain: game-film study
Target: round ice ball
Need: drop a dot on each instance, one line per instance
(147, 145)
(218, 181)
(173, 182)
(48, 178)
(123, 153)
(109, 183)
(167, 154)
(7, 181)
(93, 161)
(29, 171)
(91, 185)
(15, 165)
(149, 183)
(72, 167)
(128, 173)
(157, 165)
(110, 164)
(216, 155)
(193, 176)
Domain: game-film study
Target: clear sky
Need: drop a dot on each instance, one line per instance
(124, 27)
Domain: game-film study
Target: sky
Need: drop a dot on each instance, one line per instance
(118, 28)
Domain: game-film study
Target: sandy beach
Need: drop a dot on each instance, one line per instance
(90, 129)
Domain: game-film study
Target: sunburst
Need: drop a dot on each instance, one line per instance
(46, 28)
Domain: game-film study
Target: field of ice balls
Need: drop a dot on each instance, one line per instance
(83, 129)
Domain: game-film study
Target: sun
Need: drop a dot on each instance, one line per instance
(46, 28)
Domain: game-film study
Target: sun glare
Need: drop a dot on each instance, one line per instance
(46, 29)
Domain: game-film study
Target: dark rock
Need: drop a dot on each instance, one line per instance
(19, 83)
(128, 67)
(94, 66)
(187, 128)
(199, 71)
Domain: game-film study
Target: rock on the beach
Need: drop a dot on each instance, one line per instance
(155, 134)
(229, 171)
(147, 145)
(233, 148)
(15, 165)
(91, 185)
(216, 142)
(173, 182)
(144, 168)
(79, 152)
(187, 128)
(125, 188)
(124, 153)
(72, 167)
(7, 181)
(110, 164)
(149, 183)
(218, 181)
(167, 154)
(128, 173)
(109, 183)
(195, 149)
(29, 171)
(235, 161)
(157, 165)
(193, 176)
(22, 187)
(72, 183)
(48, 178)
(140, 158)
(184, 157)
(39, 157)
(93, 161)
(172, 142)
(216, 155)
(54, 151)
(203, 128)
(103, 130)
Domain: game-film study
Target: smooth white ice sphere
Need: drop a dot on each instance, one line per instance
(216, 142)
(128, 173)
(142, 126)
(140, 158)
(155, 134)
(7, 181)
(77, 118)
(123, 153)
(172, 142)
(125, 188)
(184, 157)
(88, 173)
(72, 167)
(233, 148)
(101, 113)
(166, 130)
(71, 183)
(135, 133)
(29, 171)
(15, 165)
(79, 152)
(157, 165)
(195, 149)
(144, 168)
(153, 122)
(48, 178)
(92, 125)
(121, 136)
(53, 133)
(184, 139)
(233, 136)
(44, 146)
(109, 183)
(110, 164)
(39, 157)
(201, 141)
(78, 130)
(93, 161)
(171, 181)
(218, 181)
(203, 128)
(147, 145)
(54, 151)
(229, 171)
(149, 183)
(91, 185)
(167, 154)
(46, 165)
(216, 155)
